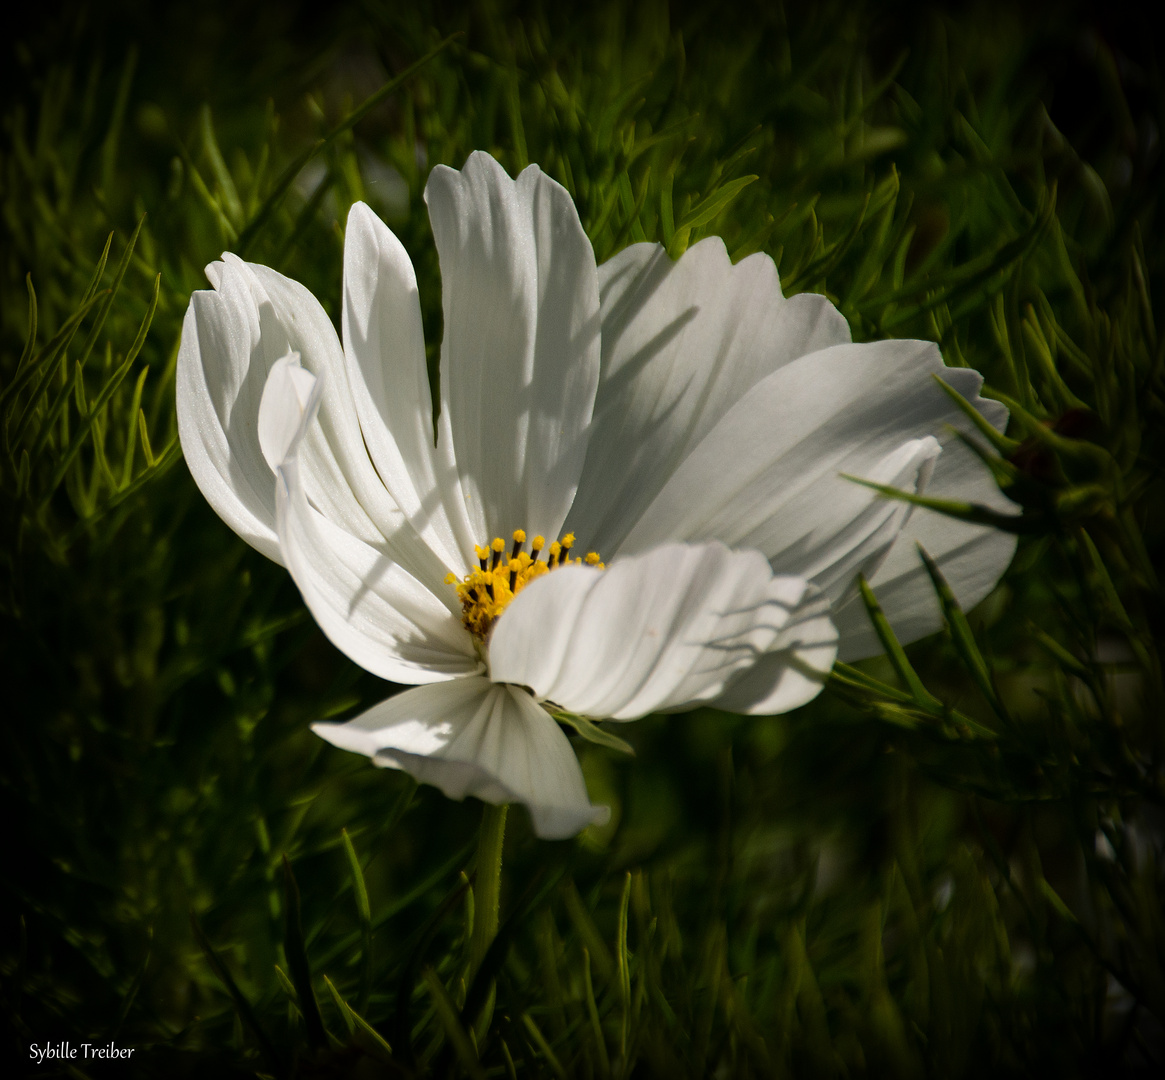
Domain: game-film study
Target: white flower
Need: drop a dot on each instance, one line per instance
(683, 419)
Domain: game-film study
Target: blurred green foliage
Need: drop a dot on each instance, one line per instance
(950, 863)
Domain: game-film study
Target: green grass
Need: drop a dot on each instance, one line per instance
(949, 864)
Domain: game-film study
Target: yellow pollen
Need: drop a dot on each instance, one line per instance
(486, 591)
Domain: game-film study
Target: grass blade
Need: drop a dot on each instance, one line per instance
(297, 961)
(102, 399)
(962, 636)
(364, 913)
(456, 1034)
(286, 178)
(242, 1005)
(895, 652)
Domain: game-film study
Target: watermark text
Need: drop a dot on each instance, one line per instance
(66, 1050)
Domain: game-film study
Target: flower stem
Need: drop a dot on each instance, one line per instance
(487, 886)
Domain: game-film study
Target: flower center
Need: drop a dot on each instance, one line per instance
(486, 592)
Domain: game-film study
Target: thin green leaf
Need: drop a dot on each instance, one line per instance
(162, 464)
(341, 1005)
(297, 961)
(287, 177)
(964, 279)
(130, 441)
(102, 399)
(1107, 589)
(242, 1005)
(544, 1047)
(409, 973)
(600, 1039)
(1058, 653)
(974, 513)
(144, 436)
(585, 925)
(591, 731)
(111, 295)
(922, 697)
(361, 1028)
(98, 270)
(961, 634)
(456, 1034)
(1000, 441)
(623, 961)
(708, 208)
(46, 360)
(364, 914)
(113, 136)
(30, 337)
(232, 207)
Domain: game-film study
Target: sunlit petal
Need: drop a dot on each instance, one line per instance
(654, 632)
(473, 737)
(520, 353)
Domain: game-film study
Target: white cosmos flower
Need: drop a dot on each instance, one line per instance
(685, 420)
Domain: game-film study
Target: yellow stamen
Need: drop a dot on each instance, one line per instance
(487, 591)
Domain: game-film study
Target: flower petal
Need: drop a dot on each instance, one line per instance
(384, 346)
(770, 474)
(287, 396)
(231, 339)
(682, 343)
(972, 557)
(794, 669)
(658, 631)
(474, 737)
(520, 357)
(370, 607)
(219, 382)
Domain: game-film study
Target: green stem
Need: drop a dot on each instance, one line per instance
(487, 885)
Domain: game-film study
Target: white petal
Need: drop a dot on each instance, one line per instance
(231, 339)
(658, 631)
(795, 667)
(286, 397)
(384, 347)
(520, 356)
(473, 737)
(862, 527)
(370, 607)
(972, 557)
(682, 343)
(218, 403)
(770, 474)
